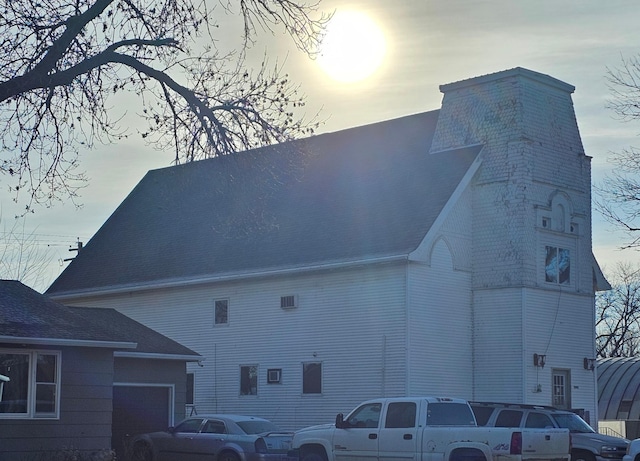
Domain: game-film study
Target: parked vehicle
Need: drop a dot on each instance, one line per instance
(633, 451)
(587, 444)
(213, 437)
(424, 428)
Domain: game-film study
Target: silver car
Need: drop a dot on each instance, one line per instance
(213, 438)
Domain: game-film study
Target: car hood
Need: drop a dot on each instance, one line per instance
(601, 438)
(317, 427)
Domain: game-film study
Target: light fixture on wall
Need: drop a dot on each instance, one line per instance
(539, 360)
(589, 364)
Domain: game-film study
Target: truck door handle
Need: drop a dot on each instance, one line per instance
(373, 436)
(547, 437)
(407, 437)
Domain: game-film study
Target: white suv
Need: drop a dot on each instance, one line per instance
(586, 443)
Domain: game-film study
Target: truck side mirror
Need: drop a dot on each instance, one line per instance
(340, 421)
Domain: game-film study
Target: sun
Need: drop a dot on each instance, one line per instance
(352, 48)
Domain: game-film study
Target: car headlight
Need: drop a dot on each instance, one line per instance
(610, 451)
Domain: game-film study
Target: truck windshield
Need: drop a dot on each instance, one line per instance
(572, 422)
(450, 414)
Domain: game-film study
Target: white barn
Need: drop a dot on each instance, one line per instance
(442, 253)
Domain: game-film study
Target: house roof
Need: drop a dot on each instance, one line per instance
(27, 316)
(353, 195)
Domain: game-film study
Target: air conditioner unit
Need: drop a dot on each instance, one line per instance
(289, 302)
(274, 376)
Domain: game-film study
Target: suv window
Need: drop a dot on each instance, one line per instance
(482, 414)
(538, 420)
(572, 422)
(509, 418)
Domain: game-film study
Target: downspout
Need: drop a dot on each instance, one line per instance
(525, 344)
(407, 328)
(384, 365)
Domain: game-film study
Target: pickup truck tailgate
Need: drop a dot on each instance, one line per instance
(545, 444)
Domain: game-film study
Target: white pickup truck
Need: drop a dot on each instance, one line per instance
(424, 429)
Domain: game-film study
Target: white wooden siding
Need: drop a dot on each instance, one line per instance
(352, 321)
(440, 330)
(498, 346)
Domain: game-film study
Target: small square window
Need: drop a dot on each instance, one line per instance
(221, 312)
(249, 380)
(274, 375)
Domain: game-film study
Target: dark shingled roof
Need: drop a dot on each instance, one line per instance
(27, 314)
(366, 192)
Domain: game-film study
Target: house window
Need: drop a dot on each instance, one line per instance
(557, 265)
(312, 378)
(221, 311)
(34, 386)
(190, 388)
(249, 380)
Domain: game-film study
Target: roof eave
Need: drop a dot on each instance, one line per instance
(157, 356)
(206, 279)
(67, 342)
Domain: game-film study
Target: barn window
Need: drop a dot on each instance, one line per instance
(33, 389)
(249, 380)
(221, 314)
(557, 265)
(312, 378)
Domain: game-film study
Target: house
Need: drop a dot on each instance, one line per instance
(441, 253)
(75, 376)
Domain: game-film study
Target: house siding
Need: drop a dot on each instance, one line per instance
(85, 410)
(359, 311)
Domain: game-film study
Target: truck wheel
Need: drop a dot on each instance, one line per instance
(580, 455)
(313, 456)
(468, 454)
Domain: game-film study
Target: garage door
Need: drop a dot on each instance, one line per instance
(138, 409)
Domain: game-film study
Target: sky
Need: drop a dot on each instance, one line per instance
(428, 43)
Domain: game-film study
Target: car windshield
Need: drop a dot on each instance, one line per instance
(257, 427)
(572, 422)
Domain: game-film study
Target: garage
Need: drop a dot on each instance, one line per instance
(138, 409)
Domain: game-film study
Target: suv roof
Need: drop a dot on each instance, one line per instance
(520, 405)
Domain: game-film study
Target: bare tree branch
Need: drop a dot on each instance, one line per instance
(618, 314)
(64, 59)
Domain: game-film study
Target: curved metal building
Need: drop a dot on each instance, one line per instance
(619, 388)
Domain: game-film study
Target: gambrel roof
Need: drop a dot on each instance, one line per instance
(354, 195)
(28, 317)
